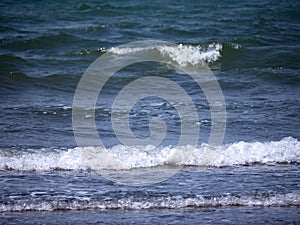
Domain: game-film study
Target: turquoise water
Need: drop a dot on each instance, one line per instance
(253, 50)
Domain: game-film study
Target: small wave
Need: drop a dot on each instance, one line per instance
(93, 51)
(97, 7)
(84, 6)
(10, 61)
(51, 41)
(18, 81)
(176, 202)
(181, 54)
(122, 157)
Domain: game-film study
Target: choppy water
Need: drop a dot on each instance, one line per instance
(253, 50)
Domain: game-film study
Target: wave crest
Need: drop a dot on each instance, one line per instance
(122, 157)
(182, 54)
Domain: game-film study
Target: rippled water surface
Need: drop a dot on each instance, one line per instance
(253, 50)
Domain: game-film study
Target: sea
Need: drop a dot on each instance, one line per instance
(251, 176)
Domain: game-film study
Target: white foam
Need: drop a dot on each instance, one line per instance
(176, 202)
(182, 54)
(122, 157)
(43, 160)
(241, 153)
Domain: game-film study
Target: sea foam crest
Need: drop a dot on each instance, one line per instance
(176, 202)
(122, 157)
(182, 54)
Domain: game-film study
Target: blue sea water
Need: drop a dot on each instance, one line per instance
(253, 50)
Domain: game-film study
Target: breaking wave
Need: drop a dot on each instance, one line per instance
(122, 157)
(183, 54)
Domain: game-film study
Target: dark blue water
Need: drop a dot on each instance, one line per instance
(253, 50)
